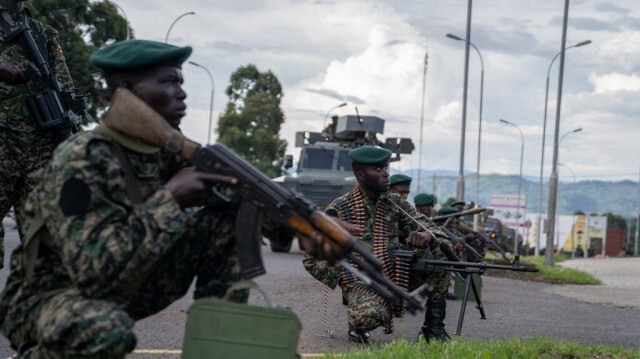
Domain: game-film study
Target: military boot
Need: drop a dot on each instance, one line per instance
(424, 331)
(436, 312)
(358, 336)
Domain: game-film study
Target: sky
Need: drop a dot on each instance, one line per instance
(371, 54)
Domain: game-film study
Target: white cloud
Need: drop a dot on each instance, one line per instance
(615, 82)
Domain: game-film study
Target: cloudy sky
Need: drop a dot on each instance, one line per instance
(371, 53)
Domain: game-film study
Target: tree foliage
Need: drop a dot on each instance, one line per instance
(83, 27)
(615, 220)
(253, 118)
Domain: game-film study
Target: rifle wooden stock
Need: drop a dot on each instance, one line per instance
(130, 115)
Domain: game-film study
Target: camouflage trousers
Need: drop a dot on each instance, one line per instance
(22, 155)
(71, 325)
(367, 311)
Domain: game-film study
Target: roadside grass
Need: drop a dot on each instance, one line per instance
(508, 349)
(550, 274)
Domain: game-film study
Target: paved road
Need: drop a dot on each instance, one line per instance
(515, 309)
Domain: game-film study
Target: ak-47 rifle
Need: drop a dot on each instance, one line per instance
(260, 196)
(52, 108)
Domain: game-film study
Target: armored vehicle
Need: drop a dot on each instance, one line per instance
(324, 169)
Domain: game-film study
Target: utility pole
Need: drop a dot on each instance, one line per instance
(460, 187)
(635, 251)
(424, 86)
(553, 180)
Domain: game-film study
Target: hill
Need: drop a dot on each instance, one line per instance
(618, 197)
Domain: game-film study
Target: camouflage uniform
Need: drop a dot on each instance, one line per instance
(366, 310)
(23, 150)
(103, 261)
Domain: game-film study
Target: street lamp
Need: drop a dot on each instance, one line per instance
(210, 102)
(166, 38)
(328, 112)
(123, 13)
(475, 217)
(573, 195)
(517, 245)
(544, 135)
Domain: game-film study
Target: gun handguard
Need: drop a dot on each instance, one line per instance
(128, 114)
(459, 214)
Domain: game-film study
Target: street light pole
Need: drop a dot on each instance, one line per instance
(544, 137)
(210, 102)
(460, 186)
(424, 87)
(516, 246)
(123, 13)
(475, 217)
(166, 38)
(553, 179)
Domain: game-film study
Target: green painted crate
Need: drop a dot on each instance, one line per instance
(221, 329)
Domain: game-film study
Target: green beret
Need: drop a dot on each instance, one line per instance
(447, 210)
(458, 203)
(370, 155)
(424, 199)
(131, 54)
(399, 180)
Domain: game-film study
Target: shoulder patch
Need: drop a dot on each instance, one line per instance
(75, 197)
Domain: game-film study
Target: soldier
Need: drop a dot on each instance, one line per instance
(107, 237)
(400, 184)
(454, 225)
(24, 150)
(386, 222)
(424, 203)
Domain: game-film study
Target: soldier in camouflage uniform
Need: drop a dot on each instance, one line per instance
(24, 151)
(385, 224)
(400, 184)
(107, 237)
(424, 203)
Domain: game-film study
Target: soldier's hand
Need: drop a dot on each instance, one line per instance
(319, 247)
(12, 73)
(193, 188)
(418, 239)
(458, 247)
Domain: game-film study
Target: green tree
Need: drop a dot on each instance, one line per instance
(615, 220)
(253, 118)
(83, 27)
(449, 201)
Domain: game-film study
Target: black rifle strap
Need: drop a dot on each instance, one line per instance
(133, 188)
(40, 41)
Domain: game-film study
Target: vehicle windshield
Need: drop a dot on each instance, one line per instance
(316, 158)
(344, 162)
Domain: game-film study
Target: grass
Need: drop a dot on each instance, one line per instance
(549, 274)
(509, 349)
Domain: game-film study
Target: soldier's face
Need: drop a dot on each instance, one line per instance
(161, 89)
(375, 178)
(426, 210)
(403, 191)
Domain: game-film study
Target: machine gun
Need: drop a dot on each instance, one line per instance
(466, 270)
(52, 108)
(260, 196)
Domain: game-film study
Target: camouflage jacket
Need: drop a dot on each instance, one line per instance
(102, 242)
(13, 110)
(399, 225)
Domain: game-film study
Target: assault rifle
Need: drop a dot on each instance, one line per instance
(51, 107)
(260, 196)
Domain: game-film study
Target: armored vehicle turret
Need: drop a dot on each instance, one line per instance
(324, 169)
